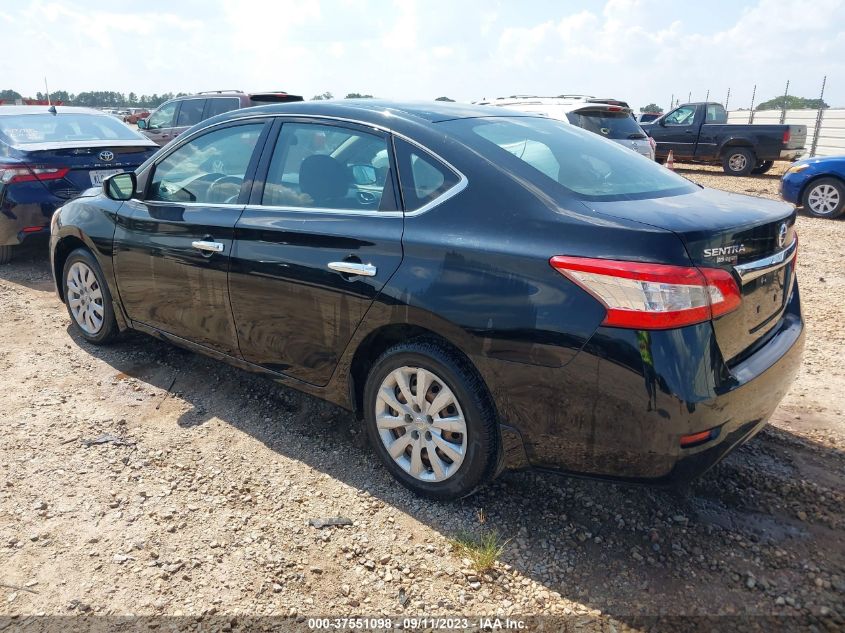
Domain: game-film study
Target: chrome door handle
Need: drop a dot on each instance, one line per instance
(352, 268)
(208, 247)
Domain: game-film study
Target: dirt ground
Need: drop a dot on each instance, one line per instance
(141, 479)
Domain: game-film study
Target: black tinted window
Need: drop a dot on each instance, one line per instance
(330, 167)
(190, 113)
(220, 105)
(209, 168)
(422, 177)
(607, 124)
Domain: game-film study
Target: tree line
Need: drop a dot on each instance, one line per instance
(96, 98)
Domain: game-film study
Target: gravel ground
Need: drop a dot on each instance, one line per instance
(195, 496)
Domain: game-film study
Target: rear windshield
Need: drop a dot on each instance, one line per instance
(43, 127)
(582, 163)
(614, 125)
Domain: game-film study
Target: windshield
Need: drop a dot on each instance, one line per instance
(587, 166)
(609, 124)
(43, 127)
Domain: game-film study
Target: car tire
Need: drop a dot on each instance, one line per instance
(441, 457)
(738, 161)
(5, 254)
(762, 167)
(825, 198)
(88, 299)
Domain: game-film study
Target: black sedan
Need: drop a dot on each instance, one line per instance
(51, 154)
(486, 290)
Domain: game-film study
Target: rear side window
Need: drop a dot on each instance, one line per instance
(190, 113)
(330, 167)
(209, 168)
(423, 178)
(569, 157)
(220, 105)
(616, 125)
(715, 114)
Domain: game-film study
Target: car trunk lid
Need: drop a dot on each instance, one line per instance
(87, 165)
(752, 238)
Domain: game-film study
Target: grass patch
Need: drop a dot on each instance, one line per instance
(483, 550)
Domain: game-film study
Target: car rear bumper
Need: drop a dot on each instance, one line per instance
(20, 221)
(620, 409)
(791, 154)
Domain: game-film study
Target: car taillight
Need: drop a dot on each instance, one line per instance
(787, 135)
(10, 174)
(652, 296)
(652, 142)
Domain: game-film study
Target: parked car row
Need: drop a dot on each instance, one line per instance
(484, 288)
(633, 325)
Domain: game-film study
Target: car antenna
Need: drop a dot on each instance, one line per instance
(52, 108)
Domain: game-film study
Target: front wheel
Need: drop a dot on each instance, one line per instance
(88, 299)
(825, 198)
(429, 418)
(738, 161)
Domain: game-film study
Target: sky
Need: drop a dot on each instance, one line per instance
(641, 51)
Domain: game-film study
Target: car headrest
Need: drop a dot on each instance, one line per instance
(323, 178)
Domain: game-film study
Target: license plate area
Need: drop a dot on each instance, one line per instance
(99, 175)
(764, 298)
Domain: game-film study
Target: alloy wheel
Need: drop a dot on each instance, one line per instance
(823, 199)
(85, 298)
(737, 162)
(421, 424)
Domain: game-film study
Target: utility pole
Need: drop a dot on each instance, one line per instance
(783, 108)
(727, 99)
(753, 94)
(819, 117)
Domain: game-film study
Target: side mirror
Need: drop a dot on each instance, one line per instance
(120, 186)
(364, 174)
(142, 124)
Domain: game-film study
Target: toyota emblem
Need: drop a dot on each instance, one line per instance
(106, 156)
(782, 235)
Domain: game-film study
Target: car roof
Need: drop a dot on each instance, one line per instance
(377, 111)
(39, 109)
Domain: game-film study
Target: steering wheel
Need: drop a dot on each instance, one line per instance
(225, 180)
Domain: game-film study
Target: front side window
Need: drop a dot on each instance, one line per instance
(208, 169)
(329, 167)
(190, 113)
(163, 117)
(567, 156)
(682, 116)
(423, 178)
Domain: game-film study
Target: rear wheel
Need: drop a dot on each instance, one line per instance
(88, 299)
(5, 254)
(738, 161)
(762, 167)
(429, 418)
(825, 198)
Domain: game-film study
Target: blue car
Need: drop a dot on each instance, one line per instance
(49, 155)
(818, 184)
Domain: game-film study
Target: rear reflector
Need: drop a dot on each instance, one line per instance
(688, 441)
(12, 173)
(34, 229)
(652, 296)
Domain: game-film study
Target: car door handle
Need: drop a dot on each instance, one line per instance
(208, 247)
(353, 268)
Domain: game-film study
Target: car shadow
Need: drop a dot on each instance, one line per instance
(623, 550)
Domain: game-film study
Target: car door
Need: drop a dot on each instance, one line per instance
(678, 132)
(173, 242)
(158, 126)
(318, 240)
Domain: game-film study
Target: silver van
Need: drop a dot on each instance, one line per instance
(609, 118)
